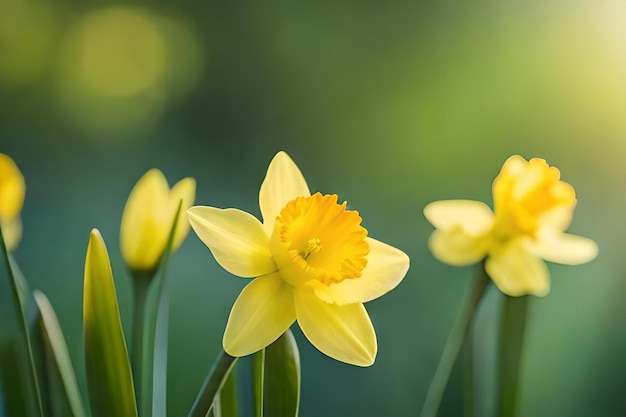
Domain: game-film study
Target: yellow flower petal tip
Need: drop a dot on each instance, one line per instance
(12, 192)
(283, 183)
(148, 218)
(312, 261)
(532, 210)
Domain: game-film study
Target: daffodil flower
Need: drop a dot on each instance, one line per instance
(311, 261)
(532, 209)
(148, 218)
(12, 191)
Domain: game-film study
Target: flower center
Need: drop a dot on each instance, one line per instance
(316, 238)
(530, 194)
(312, 246)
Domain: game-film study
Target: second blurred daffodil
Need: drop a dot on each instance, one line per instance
(148, 217)
(532, 209)
(312, 262)
(12, 191)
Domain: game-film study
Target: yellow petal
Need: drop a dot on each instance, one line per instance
(184, 190)
(342, 332)
(236, 239)
(456, 247)
(474, 217)
(263, 311)
(12, 232)
(516, 271)
(12, 188)
(564, 248)
(386, 267)
(283, 183)
(143, 234)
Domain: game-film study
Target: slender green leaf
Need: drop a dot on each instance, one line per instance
(258, 381)
(510, 348)
(276, 375)
(159, 375)
(212, 384)
(55, 383)
(53, 395)
(26, 312)
(226, 402)
(13, 380)
(153, 329)
(109, 380)
(63, 389)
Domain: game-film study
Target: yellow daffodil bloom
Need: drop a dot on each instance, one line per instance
(12, 191)
(532, 209)
(148, 218)
(311, 261)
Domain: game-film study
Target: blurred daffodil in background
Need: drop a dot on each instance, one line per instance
(148, 218)
(312, 262)
(12, 191)
(532, 209)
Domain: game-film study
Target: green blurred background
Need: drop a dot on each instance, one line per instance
(390, 105)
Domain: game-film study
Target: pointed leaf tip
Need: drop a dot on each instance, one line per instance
(109, 380)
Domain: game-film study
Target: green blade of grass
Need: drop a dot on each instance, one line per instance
(109, 379)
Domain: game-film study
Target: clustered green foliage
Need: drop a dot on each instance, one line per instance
(43, 382)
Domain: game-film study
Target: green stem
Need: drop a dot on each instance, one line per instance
(510, 348)
(468, 371)
(141, 285)
(453, 344)
(212, 385)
